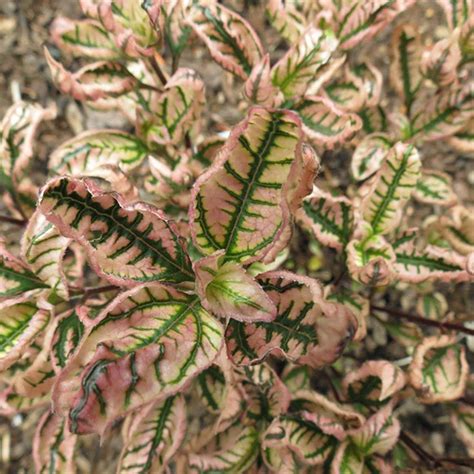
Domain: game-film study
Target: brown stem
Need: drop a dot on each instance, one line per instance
(12, 220)
(333, 388)
(425, 456)
(156, 67)
(447, 326)
(88, 292)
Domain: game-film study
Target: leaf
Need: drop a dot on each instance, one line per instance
(135, 25)
(176, 30)
(391, 188)
(21, 320)
(330, 218)
(405, 73)
(43, 249)
(152, 340)
(228, 291)
(439, 370)
(369, 155)
(86, 152)
(11, 403)
(324, 123)
(125, 243)
(286, 19)
(53, 446)
(230, 39)
(378, 434)
(416, 263)
(67, 336)
(347, 460)
(258, 88)
(370, 257)
(371, 80)
(232, 451)
(432, 306)
(374, 119)
(435, 187)
(458, 229)
(307, 330)
(153, 436)
(373, 383)
(175, 111)
(239, 204)
(438, 115)
(333, 419)
(83, 38)
(462, 420)
(440, 62)
(296, 377)
(463, 140)
(100, 80)
(295, 71)
(18, 130)
(15, 277)
(291, 439)
(359, 307)
(361, 20)
(457, 12)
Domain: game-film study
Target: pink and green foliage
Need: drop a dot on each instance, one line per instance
(198, 282)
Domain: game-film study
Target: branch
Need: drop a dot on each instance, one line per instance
(156, 67)
(447, 326)
(12, 220)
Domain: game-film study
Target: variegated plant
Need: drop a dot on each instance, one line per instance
(174, 276)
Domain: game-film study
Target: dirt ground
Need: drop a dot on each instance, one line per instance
(24, 26)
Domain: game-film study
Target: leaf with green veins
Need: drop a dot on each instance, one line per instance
(439, 370)
(369, 155)
(432, 306)
(296, 377)
(307, 330)
(405, 73)
(230, 39)
(378, 434)
(436, 115)
(295, 71)
(463, 140)
(347, 460)
(391, 188)
(15, 277)
(231, 451)
(228, 291)
(374, 119)
(457, 228)
(53, 446)
(346, 93)
(125, 243)
(239, 204)
(176, 31)
(291, 442)
(326, 124)
(287, 18)
(152, 436)
(175, 112)
(330, 218)
(11, 403)
(259, 89)
(67, 336)
(462, 420)
(80, 38)
(86, 152)
(21, 321)
(152, 340)
(457, 12)
(370, 257)
(373, 383)
(435, 187)
(43, 249)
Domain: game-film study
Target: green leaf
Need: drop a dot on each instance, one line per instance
(369, 155)
(435, 187)
(152, 436)
(239, 205)
(295, 71)
(324, 123)
(54, 446)
(307, 330)
(231, 41)
(125, 243)
(15, 277)
(391, 188)
(152, 339)
(439, 370)
(330, 218)
(432, 306)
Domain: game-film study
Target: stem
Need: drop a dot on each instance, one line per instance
(12, 220)
(156, 67)
(447, 326)
(417, 449)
